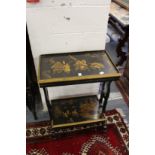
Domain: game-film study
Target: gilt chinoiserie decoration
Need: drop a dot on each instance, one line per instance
(77, 68)
(74, 110)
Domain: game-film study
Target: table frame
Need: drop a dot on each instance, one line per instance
(105, 83)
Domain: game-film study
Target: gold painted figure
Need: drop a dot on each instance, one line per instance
(96, 65)
(59, 67)
(81, 65)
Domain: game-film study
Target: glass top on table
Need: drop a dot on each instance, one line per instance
(55, 68)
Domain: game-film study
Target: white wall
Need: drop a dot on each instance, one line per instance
(57, 26)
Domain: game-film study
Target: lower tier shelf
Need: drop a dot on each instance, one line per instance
(76, 111)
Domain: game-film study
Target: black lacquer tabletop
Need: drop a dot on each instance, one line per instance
(76, 66)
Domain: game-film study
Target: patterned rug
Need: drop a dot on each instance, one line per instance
(112, 141)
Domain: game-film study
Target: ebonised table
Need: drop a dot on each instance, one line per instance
(71, 69)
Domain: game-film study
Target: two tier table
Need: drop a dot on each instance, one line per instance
(71, 69)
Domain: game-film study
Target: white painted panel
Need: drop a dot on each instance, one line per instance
(44, 22)
(68, 3)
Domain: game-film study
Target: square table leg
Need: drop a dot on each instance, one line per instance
(48, 102)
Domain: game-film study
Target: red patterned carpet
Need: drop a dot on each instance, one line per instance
(113, 141)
